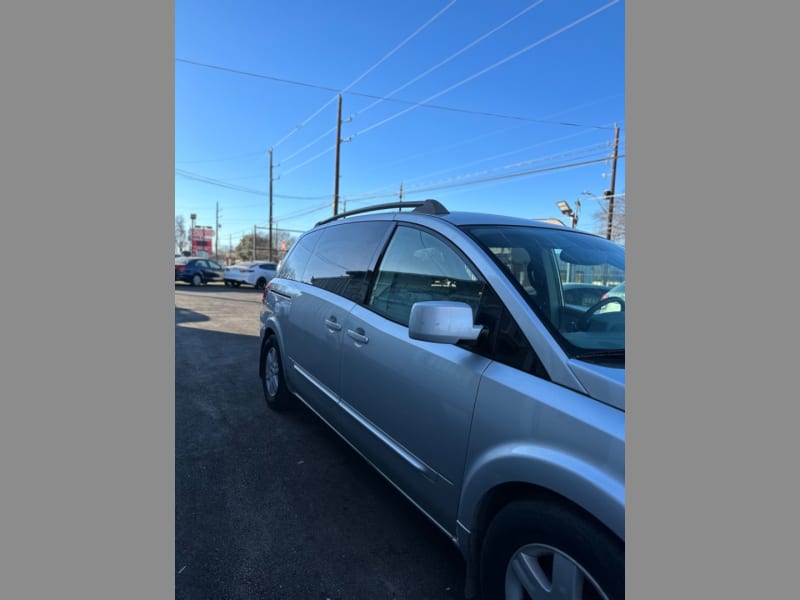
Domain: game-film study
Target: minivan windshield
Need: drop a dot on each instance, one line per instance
(566, 276)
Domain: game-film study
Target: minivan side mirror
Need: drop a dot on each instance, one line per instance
(442, 321)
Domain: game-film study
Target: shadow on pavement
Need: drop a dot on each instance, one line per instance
(276, 505)
(184, 315)
(215, 287)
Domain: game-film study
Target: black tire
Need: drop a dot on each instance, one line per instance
(261, 284)
(197, 279)
(527, 538)
(237, 284)
(227, 283)
(273, 384)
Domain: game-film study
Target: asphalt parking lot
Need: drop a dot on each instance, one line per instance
(271, 505)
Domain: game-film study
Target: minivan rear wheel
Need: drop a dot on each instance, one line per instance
(272, 382)
(543, 549)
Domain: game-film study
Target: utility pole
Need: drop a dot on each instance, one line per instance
(336, 170)
(339, 141)
(270, 203)
(610, 193)
(192, 218)
(401, 191)
(216, 237)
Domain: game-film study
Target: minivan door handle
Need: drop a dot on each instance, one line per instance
(332, 324)
(358, 335)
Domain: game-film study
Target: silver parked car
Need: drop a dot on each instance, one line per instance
(440, 346)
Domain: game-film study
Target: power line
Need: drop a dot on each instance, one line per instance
(239, 188)
(410, 103)
(425, 189)
(442, 149)
(476, 75)
(572, 153)
(493, 66)
(350, 198)
(365, 73)
(452, 56)
(310, 160)
(291, 156)
(239, 157)
(502, 154)
(509, 176)
(545, 120)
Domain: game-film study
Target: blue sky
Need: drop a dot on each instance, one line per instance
(505, 106)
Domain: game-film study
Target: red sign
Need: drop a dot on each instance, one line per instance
(199, 233)
(200, 245)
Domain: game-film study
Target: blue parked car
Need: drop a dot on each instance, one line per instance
(197, 271)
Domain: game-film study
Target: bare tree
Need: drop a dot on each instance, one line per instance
(180, 233)
(617, 219)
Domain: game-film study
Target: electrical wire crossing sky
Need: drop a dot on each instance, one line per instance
(505, 107)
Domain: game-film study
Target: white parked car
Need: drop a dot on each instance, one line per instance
(257, 274)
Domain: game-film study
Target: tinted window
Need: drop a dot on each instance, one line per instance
(503, 340)
(342, 258)
(296, 260)
(418, 267)
(542, 261)
(215, 265)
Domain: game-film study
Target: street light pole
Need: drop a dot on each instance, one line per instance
(566, 209)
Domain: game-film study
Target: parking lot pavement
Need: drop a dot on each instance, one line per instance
(272, 505)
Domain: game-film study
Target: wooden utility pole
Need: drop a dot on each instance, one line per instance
(192, 218)
(339, 141)
(610, 193)
(270, 203)
(216, 237)
(338, 144)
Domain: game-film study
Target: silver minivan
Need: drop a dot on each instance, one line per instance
(439, 346)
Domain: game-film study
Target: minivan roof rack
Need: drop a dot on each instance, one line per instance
(428, 207)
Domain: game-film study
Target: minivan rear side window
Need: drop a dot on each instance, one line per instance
(294, 263)
(343, 256)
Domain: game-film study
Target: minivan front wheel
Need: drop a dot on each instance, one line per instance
(272, 381)
(542, 549)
